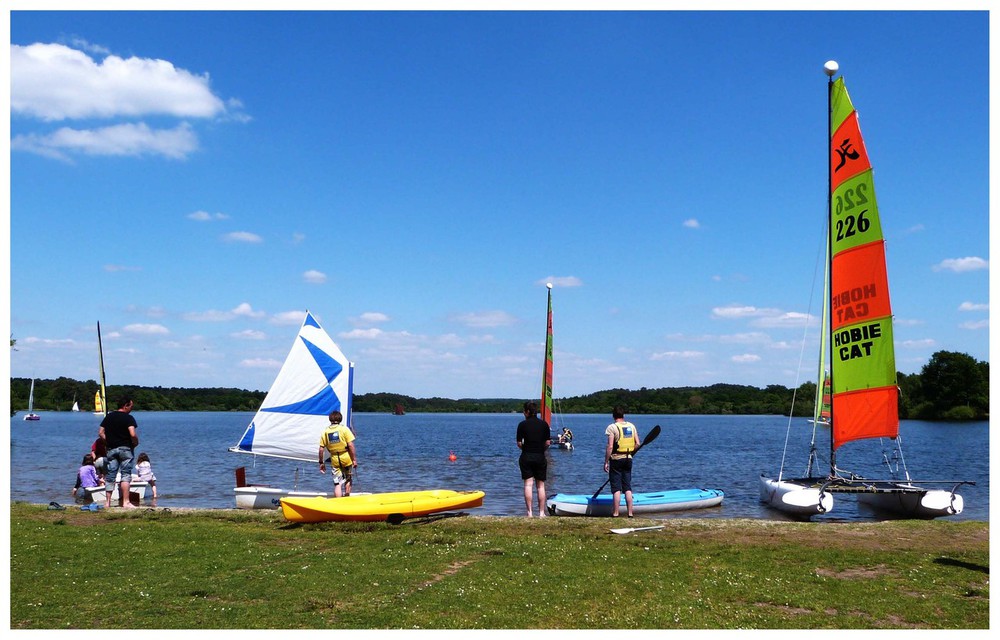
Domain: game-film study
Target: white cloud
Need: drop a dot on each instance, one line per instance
(961, 265)
(485, 319)
(978, 324)
(561, 281)
(243, 236)
(926, 343)
(288, 317)
(691, 223)
(249, 334)
(204, 216)
(362, 334)
(745, 358)
(146, 329)
(127, 139)
(676, 355)
(244, 309)
(314, 277)
(373, 317)
(260, 363)
(54, 82)
(973, 306)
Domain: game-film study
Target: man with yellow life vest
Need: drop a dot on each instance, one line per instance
(623, 440)
(338, 441)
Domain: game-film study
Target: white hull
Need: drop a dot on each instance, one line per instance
(270, 497)
(562, 445)
(915, 502)
(795, 498)
(136, 490)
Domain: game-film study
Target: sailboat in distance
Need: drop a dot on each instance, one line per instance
(857, 342)
(315, 380)
(31, 415)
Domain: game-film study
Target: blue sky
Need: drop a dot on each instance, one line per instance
(196, 180)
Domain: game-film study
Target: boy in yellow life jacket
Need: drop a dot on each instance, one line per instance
(338, 441)
(623, 440)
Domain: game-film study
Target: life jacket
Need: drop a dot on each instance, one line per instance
(332, 440)
(625, 442)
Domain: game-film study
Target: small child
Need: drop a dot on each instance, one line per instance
(86, 476)
(145, 472)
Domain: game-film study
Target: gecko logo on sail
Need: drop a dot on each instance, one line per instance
(856, 342)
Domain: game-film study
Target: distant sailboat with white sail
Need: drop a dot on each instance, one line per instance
(315, 380)
(31, 415)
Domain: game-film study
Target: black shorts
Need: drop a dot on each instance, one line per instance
(533, 465)
(620, 474)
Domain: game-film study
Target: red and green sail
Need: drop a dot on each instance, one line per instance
(546, 408)
(863, 368)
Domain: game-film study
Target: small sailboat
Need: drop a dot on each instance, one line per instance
(547, 367)
(31, 415)
(315, 380)
(857, 342)
(76, 406)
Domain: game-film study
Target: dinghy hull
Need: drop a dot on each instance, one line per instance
(378, 507)
(914, 502)
(563, 504)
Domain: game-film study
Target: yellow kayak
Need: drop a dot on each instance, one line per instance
(377, 507)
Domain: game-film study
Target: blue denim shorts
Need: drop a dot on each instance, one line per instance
(119, 460)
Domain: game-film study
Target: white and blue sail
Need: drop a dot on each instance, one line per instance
(315, 380)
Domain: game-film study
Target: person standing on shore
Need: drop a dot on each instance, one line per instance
(338, 440)
(533, 438)
(623, 440)
(118, 431)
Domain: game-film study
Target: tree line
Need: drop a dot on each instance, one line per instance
(951, 386)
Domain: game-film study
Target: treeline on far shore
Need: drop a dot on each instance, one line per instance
(952, 386)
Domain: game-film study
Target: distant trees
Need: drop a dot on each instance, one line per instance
(951, 386)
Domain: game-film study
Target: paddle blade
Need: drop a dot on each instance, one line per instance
(621, 531)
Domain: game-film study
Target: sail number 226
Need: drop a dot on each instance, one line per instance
(850, 224)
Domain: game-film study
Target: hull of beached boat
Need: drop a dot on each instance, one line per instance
(136, 492)
(563, 504)
(801, 498)
(270, 497)
(914, 502)
(377, 507)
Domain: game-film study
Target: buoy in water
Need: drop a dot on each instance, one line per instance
(452, 456)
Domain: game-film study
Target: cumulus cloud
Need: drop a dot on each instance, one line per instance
(314, 277)
(249, 334)
(288, 317)
(961, 265)
(973, 306)
(373, 317)
(484, 319)
(260, 363)
(243, 310)
(243, 236)
(204, 216)
(54, 82)
(362, 334)
(116, 140)
(926, 343)
(146, 329)
(978, 324)
(676, 355)
(561, 281)
(745, 358)
(691, 223)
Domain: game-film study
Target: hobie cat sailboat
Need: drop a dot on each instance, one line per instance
(857, 340)
(315, 380)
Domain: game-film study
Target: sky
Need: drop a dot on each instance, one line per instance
(195, 181)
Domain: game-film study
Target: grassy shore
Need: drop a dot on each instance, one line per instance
(227, 569)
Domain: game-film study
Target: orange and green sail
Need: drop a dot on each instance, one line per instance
(546, 408)
(863, 367)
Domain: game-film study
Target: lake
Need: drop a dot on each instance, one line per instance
(190, 457)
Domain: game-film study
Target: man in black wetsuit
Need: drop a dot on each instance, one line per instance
(533, 438)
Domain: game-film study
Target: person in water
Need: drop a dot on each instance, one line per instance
(338, 441)
(533, 438)
(566, 436)
(623, 440)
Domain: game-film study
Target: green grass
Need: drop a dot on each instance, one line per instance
(226, 569)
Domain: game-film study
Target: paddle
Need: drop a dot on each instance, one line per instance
(655, 431)
(635, 529)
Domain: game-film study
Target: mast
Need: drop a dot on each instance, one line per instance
(830, 68)
(546, 407)
(100, 356)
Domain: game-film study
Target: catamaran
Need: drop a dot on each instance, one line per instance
(857, 342)
(315, 380)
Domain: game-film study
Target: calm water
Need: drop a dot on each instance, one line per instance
(402, 453)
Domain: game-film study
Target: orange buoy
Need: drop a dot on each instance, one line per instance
(452, 456)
